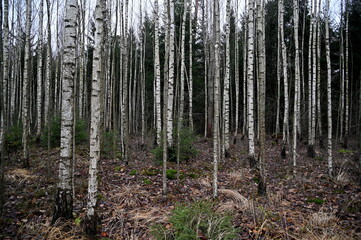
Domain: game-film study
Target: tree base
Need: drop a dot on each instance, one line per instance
(252, 162)
(63, 205)
(90, 224)
(26, 162)
(283, 152)
(311, 151)
(344, 143)
(262, 187)
(227, 154)
(322, 143)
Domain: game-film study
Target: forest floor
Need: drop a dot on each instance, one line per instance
(309, 205)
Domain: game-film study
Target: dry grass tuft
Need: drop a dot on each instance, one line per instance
(20, 175)
(130, 196)
(236, 198)
(274, 199)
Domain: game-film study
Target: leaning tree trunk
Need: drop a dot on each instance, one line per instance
(329, 94)
(26, 92)
(64, 196)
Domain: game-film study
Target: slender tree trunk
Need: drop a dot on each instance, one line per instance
(297, 84)
(311, 85)
(64, 196)
(191, 63)
(250, 82)
(216, 135)
(279, 63)
(329, 94)
(226, 84)
(40, 69)
(26, 87)
(157, 73)
(170, 95)
(346, 75)
(262, 186)
(319, 112)
(285, 138)
(181, 91)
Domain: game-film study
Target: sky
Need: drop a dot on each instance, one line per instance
(57, 12)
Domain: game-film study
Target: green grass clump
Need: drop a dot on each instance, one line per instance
(345, 151)
(192, 175)
(147, 181)
(315, 200)
(172, 174)
(150, 172)
(192, 221)
(133, 172)
(319, 158)
(117, 168)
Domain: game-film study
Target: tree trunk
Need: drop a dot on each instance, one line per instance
(297, 85)
(262, 186)
(26, 92)
(250, 82)
(64, 196)
(329, 94)
(226, 84)
(40, 69)
(95, 124)
(157, 73)
(216, 135)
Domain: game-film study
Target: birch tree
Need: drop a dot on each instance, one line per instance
(262, 93)
(285, 137)
(329, 93)
(250, 82)
(26, 91)
(216, 135)
(226, 84)
(40, 68)
(297, 83)
(95, 121)
(157, 73)
(191, 63)
(181, 91)
(64, 196)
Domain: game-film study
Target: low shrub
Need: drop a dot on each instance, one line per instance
(196, 221)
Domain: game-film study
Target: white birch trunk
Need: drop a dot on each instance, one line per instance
(297, 84)
(95, 117)
(216, 139)
(157, 73)
(191, 66)
(171, 74)
(25, 97)
(329, 94)
(250, 81)
(40, 68)
(226, 83)
(285, 75)
(64, 198)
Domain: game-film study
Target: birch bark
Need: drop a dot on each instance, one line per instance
(64, 197)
